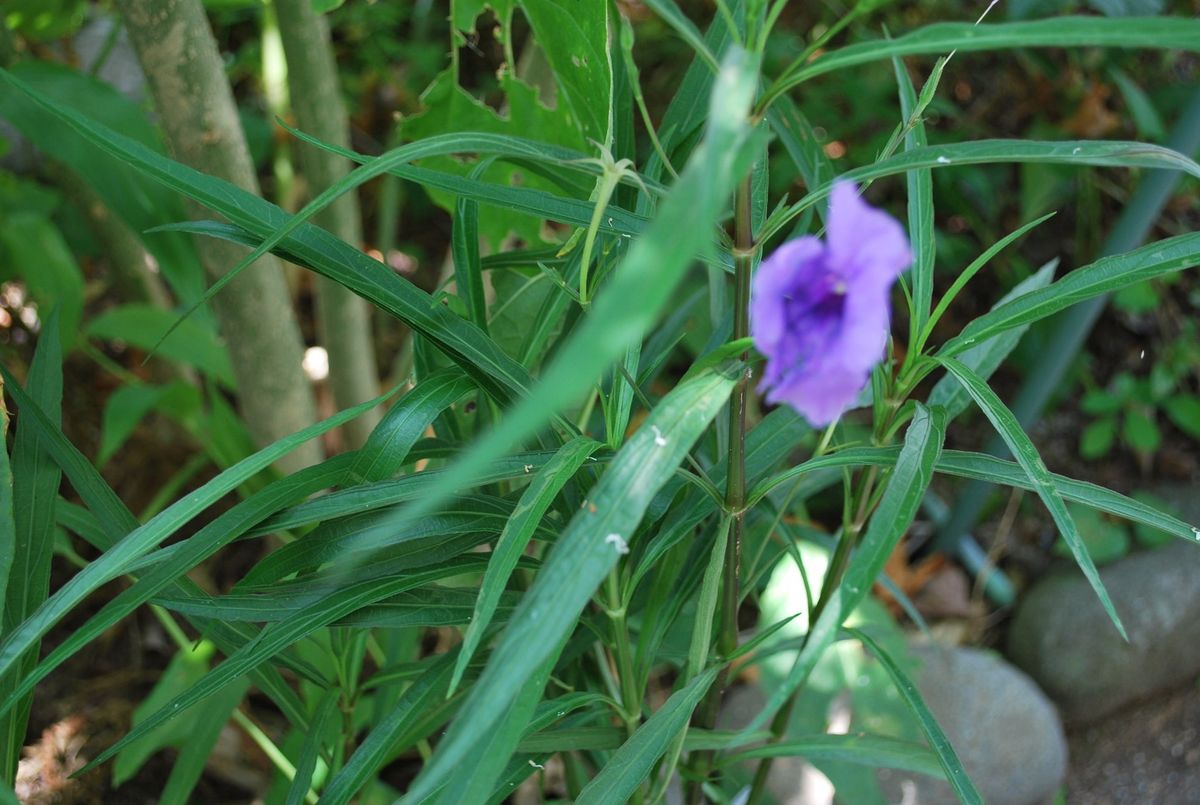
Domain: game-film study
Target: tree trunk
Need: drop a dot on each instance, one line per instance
(195, 104)
(344, 319)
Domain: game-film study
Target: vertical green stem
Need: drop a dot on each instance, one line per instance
(735, 489)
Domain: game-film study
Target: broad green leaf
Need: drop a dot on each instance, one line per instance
(1058, 32)
(575, 41)
(1026, 454)
(592, 544)
(1103, 276)
(631, 764)
(951, 765)
(1184, 411)
(901, 499)
(143, 325)
(129, 405)
(518, 529)
(35, 482)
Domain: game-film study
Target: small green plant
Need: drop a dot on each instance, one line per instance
(1129, 409)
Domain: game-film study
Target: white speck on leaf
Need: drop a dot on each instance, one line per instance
(1076, 150)
(943, 160)
(528, 468)
(618, 542)
(537, 765)
(659, 439)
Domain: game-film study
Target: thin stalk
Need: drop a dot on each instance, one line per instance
(735, 488)
(833, 579)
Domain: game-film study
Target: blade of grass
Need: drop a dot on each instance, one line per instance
(518, 530)
(1027, 456)
(955, 774)
(1169, 33)
(34, 495)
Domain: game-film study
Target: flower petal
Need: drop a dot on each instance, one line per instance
(782, 275)
(821, 397)
(866, 245)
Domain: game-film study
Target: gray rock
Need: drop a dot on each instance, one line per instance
(1063, 639)
(1003, 728)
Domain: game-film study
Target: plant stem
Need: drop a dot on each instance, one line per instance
(735, 488)
(833, 579)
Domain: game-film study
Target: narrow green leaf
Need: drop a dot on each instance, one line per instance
(405, 423)
(190, 553)
(398, 729)
(592, 544)
(194, 754)
(673, 16)
(985, 357)
(920, 199)
(310, 752)
(116, 522)
(35, 485)
(1103, 276)
(1101, 153)
(518, 529)
(8, 528)
(135, 544)
(632, 763)
(901, 499)
(464, 243)
(955, 774)
(311, 246)
(1148, 32)
(1026, 454)
(869, 750)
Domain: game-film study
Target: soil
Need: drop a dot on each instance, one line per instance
(1147, 754)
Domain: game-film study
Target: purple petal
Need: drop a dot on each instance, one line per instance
(866, 245)
(779, 277)
(822, 398)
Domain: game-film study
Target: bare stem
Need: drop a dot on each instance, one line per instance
(735, 488)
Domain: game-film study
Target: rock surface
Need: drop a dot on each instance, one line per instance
(1003, 728)
(1147, 754)
(1063, 639)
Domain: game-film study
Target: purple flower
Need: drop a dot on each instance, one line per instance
(819, 312)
